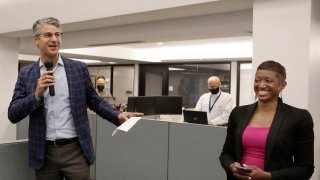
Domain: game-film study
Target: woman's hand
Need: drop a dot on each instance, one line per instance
(259, 174)
(239, 173)
(250, 173)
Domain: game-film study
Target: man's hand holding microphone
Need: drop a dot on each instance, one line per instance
(46, 80)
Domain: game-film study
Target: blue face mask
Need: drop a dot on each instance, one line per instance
(214, 91)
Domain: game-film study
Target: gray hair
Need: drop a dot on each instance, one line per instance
(47, 20)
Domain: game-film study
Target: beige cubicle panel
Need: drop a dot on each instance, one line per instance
(141, 153)
(152, 149)
(22, 134)
(194, 152)
(14, 161)
(159, 150)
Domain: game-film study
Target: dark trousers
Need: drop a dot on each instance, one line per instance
(64, 162)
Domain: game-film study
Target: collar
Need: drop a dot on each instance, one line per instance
(60, 61)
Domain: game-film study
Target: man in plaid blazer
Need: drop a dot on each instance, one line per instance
(60, 144)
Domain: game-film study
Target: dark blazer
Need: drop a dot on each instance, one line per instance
(82, 95)
(289, 146)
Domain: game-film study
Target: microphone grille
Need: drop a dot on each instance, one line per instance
(48, 64)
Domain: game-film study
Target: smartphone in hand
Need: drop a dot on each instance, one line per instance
(244, 168)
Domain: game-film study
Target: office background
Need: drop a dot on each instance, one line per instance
(283, 30)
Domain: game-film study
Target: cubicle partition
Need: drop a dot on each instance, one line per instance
(22, 134)
(14, 161)
(194, 152)
(159, 150)
(142, 153)
(152, 149)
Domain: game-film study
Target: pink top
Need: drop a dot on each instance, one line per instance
(253, 145)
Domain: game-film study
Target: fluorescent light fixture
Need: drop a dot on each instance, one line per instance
(176, 69)
(211, 51)
(220, 48)
(88, 61)
(111, 62)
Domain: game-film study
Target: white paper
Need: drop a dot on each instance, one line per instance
(126, 126)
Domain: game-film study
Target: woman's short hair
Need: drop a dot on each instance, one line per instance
(274, 66)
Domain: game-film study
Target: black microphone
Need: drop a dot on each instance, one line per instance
(49, 65)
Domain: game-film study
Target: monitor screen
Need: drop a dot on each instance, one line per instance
(168, 105)
(153, 105)
(145, 105)
(131, 104)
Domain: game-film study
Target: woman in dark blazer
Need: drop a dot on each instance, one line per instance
(269, 139)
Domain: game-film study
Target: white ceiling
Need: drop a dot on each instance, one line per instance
(180, 26)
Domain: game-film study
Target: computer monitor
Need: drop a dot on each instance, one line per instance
(198, 117)
(145, 105)
(154, 105)
(168, 105)
(142, 104)
(131, 104)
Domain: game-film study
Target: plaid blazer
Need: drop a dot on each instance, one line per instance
(82, 95)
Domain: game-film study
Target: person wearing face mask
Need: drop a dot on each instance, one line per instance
(216, 103)
(101, 81)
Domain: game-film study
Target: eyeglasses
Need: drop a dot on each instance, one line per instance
(49, 35)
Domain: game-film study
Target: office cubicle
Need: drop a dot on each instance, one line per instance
(159, 150)
(152, 149)
(14, 161)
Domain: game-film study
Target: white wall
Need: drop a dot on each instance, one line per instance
(233, 83)
(123, 77)
(8, 77)
(136, 80)
(289, 34)
(284, 37)
(246, 92)
(314, 80)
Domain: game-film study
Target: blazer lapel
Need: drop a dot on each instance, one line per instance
(34, 81)
(35, 75)
(241, 126)
(69, 73)
(273, 132)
